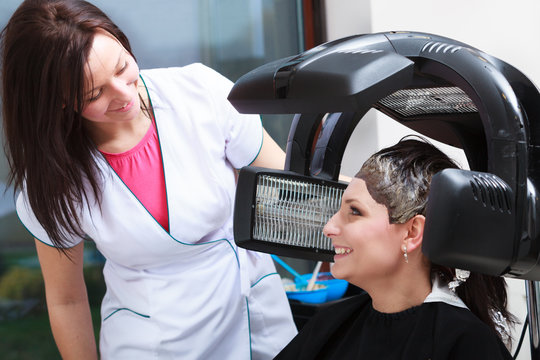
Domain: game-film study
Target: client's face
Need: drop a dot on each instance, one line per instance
(368, 247)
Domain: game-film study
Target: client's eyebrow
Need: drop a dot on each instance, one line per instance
(357, 203)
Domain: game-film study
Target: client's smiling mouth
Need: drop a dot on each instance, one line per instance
(342, 250)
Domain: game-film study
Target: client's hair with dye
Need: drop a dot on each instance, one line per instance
(399, 178)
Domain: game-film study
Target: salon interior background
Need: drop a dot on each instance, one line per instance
(234, 36)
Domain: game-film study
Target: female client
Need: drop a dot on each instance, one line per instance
(413, 309)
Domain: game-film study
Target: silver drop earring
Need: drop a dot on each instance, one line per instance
(405, 254)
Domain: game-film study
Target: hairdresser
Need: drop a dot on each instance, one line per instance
(143, 164)
(413, 309)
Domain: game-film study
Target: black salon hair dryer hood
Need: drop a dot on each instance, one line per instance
(485, 219)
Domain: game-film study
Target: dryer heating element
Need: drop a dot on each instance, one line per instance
(287, 212)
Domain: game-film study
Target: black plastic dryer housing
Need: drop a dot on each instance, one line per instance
(483, 219)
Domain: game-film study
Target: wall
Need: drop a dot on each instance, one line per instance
(507, 30)
(343, 18)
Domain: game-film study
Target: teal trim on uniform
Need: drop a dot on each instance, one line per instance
(211, 242)
(160, 151)
(134, 312)
(168, 212)
(162, 161)
(135, 196)
(249, 329)
(41, 241)
(262, 141)
(265, 276)
(168, 232)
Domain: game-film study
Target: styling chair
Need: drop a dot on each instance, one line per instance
(486, 219)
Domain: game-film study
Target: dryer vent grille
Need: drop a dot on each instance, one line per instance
(491, 192)
(423, 101)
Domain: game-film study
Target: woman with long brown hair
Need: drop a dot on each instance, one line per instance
(412, 309)
(143, 164)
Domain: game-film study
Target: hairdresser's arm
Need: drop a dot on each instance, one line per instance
(67, 301)
(271, 156)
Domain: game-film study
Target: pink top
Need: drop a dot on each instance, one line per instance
(141, 169)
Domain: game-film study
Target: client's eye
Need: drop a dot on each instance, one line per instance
(355, 211)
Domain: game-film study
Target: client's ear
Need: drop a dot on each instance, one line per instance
(415, 234)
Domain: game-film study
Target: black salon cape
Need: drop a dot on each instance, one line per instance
(352, 329)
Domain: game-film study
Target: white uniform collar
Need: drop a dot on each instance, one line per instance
(441, 293)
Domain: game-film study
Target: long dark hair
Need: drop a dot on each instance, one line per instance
(45, 46)
(399, 178)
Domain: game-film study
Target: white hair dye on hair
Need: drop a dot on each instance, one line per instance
(398, 177)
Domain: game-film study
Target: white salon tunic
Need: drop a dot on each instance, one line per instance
(189, 293)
